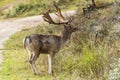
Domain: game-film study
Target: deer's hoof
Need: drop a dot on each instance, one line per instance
(50, 73)
(36, 73)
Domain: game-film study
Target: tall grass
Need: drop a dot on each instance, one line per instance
(4, 2)
(89, 61)
(36, 7)
(86, 62)
(81, 59)
(23, 9)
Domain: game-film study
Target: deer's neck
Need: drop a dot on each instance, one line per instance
(65, 36)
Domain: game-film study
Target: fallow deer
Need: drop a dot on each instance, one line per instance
(38, 44)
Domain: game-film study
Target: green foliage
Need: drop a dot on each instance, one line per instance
(21, 9)
(35, 7)
(89, 60)
(81, 59)
(4, 2)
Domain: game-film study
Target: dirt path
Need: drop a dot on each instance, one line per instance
(9, 27)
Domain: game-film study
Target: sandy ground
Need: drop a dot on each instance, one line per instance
(11, 26)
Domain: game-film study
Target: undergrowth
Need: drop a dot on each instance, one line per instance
(36, 7)
(70, 63)
(4, 2)
(86, 57)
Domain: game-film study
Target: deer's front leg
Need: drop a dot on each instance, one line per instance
(50, 63)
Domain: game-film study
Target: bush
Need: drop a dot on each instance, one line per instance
(34, 7)
(90, 61)
(22, 9)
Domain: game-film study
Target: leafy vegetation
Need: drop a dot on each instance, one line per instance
(35, 7)
(67, 62)
(85, 57)
(4, 2)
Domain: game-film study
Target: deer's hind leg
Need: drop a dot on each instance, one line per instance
(33, 57)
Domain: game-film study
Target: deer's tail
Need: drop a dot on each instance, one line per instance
(26, 41)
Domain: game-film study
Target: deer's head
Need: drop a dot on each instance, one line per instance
(69, 28)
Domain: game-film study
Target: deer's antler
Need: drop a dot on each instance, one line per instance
(58, 11)
(47, 17)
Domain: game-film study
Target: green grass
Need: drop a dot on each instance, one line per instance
(80, 59)
(15, 66)
(36, 7)
(4, 2)
(68, 63)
